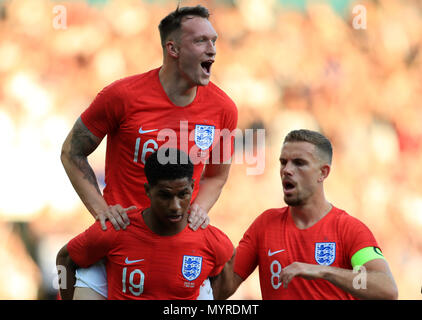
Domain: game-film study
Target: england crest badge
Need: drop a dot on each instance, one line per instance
(204, 136)
(191, 267)
(325, 253)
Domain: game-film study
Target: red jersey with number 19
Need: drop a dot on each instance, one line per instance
(138, 117)
(143, 265)
(273, 241)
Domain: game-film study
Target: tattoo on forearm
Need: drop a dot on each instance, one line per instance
(81, 145)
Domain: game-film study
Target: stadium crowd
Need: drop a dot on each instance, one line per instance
(285, 69)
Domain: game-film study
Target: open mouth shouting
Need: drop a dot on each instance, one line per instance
(288, 186)
(206, 66)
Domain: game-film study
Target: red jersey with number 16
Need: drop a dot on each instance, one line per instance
(143, 265)
(138, 117)
(273, 242)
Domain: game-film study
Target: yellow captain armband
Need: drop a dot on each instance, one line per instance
(365, 255)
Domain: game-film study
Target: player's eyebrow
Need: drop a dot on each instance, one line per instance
(183, 192)
(281, 159)
(173, 190)
(207, 37)
(300, 161)
(164, 192)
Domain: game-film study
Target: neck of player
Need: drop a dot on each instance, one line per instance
(308, 214)
(178, 89)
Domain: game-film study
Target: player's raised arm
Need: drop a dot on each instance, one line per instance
(211, 184)
(79, 144)
(216, 171)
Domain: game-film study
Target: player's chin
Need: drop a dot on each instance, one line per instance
(203, 81)
(203, 78)
(292, 201)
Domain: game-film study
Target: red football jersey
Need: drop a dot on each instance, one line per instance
(273, 241)
(143, 265)
(138, 117)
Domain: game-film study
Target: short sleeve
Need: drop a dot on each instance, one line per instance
(222, 247)
(356, 235)
(225, 144)
(106, 111)
(246, 258)
(91, 245)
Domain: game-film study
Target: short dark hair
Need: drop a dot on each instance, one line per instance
(173, 21)
(322, 144)
(157, 169)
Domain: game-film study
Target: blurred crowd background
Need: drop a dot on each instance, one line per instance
(286, 64)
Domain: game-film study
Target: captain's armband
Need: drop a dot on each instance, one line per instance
(365, 255)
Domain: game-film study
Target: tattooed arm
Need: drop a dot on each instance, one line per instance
(79, 144)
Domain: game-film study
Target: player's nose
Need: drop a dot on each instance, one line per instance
(286, 169)
(174, 204)
(211, 49)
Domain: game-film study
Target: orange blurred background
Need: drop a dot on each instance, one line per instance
(285, 67)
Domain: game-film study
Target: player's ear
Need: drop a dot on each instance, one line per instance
(172, 48)
(325, 171)
(147, 188)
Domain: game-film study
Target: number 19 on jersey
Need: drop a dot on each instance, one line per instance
(135, 287)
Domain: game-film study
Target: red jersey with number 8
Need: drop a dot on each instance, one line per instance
(273, 242)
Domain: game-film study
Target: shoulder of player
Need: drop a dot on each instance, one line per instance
(345, 219)
(271, 214)
(135, 218)
(96, 232)
(269, 217)
(210, 229)
(220, 96)
(137, 224)
(121, 86)
(212, 234)
(113, 237)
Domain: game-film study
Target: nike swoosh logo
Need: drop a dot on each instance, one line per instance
(127, 261)
(273, 253)
(146, 131)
